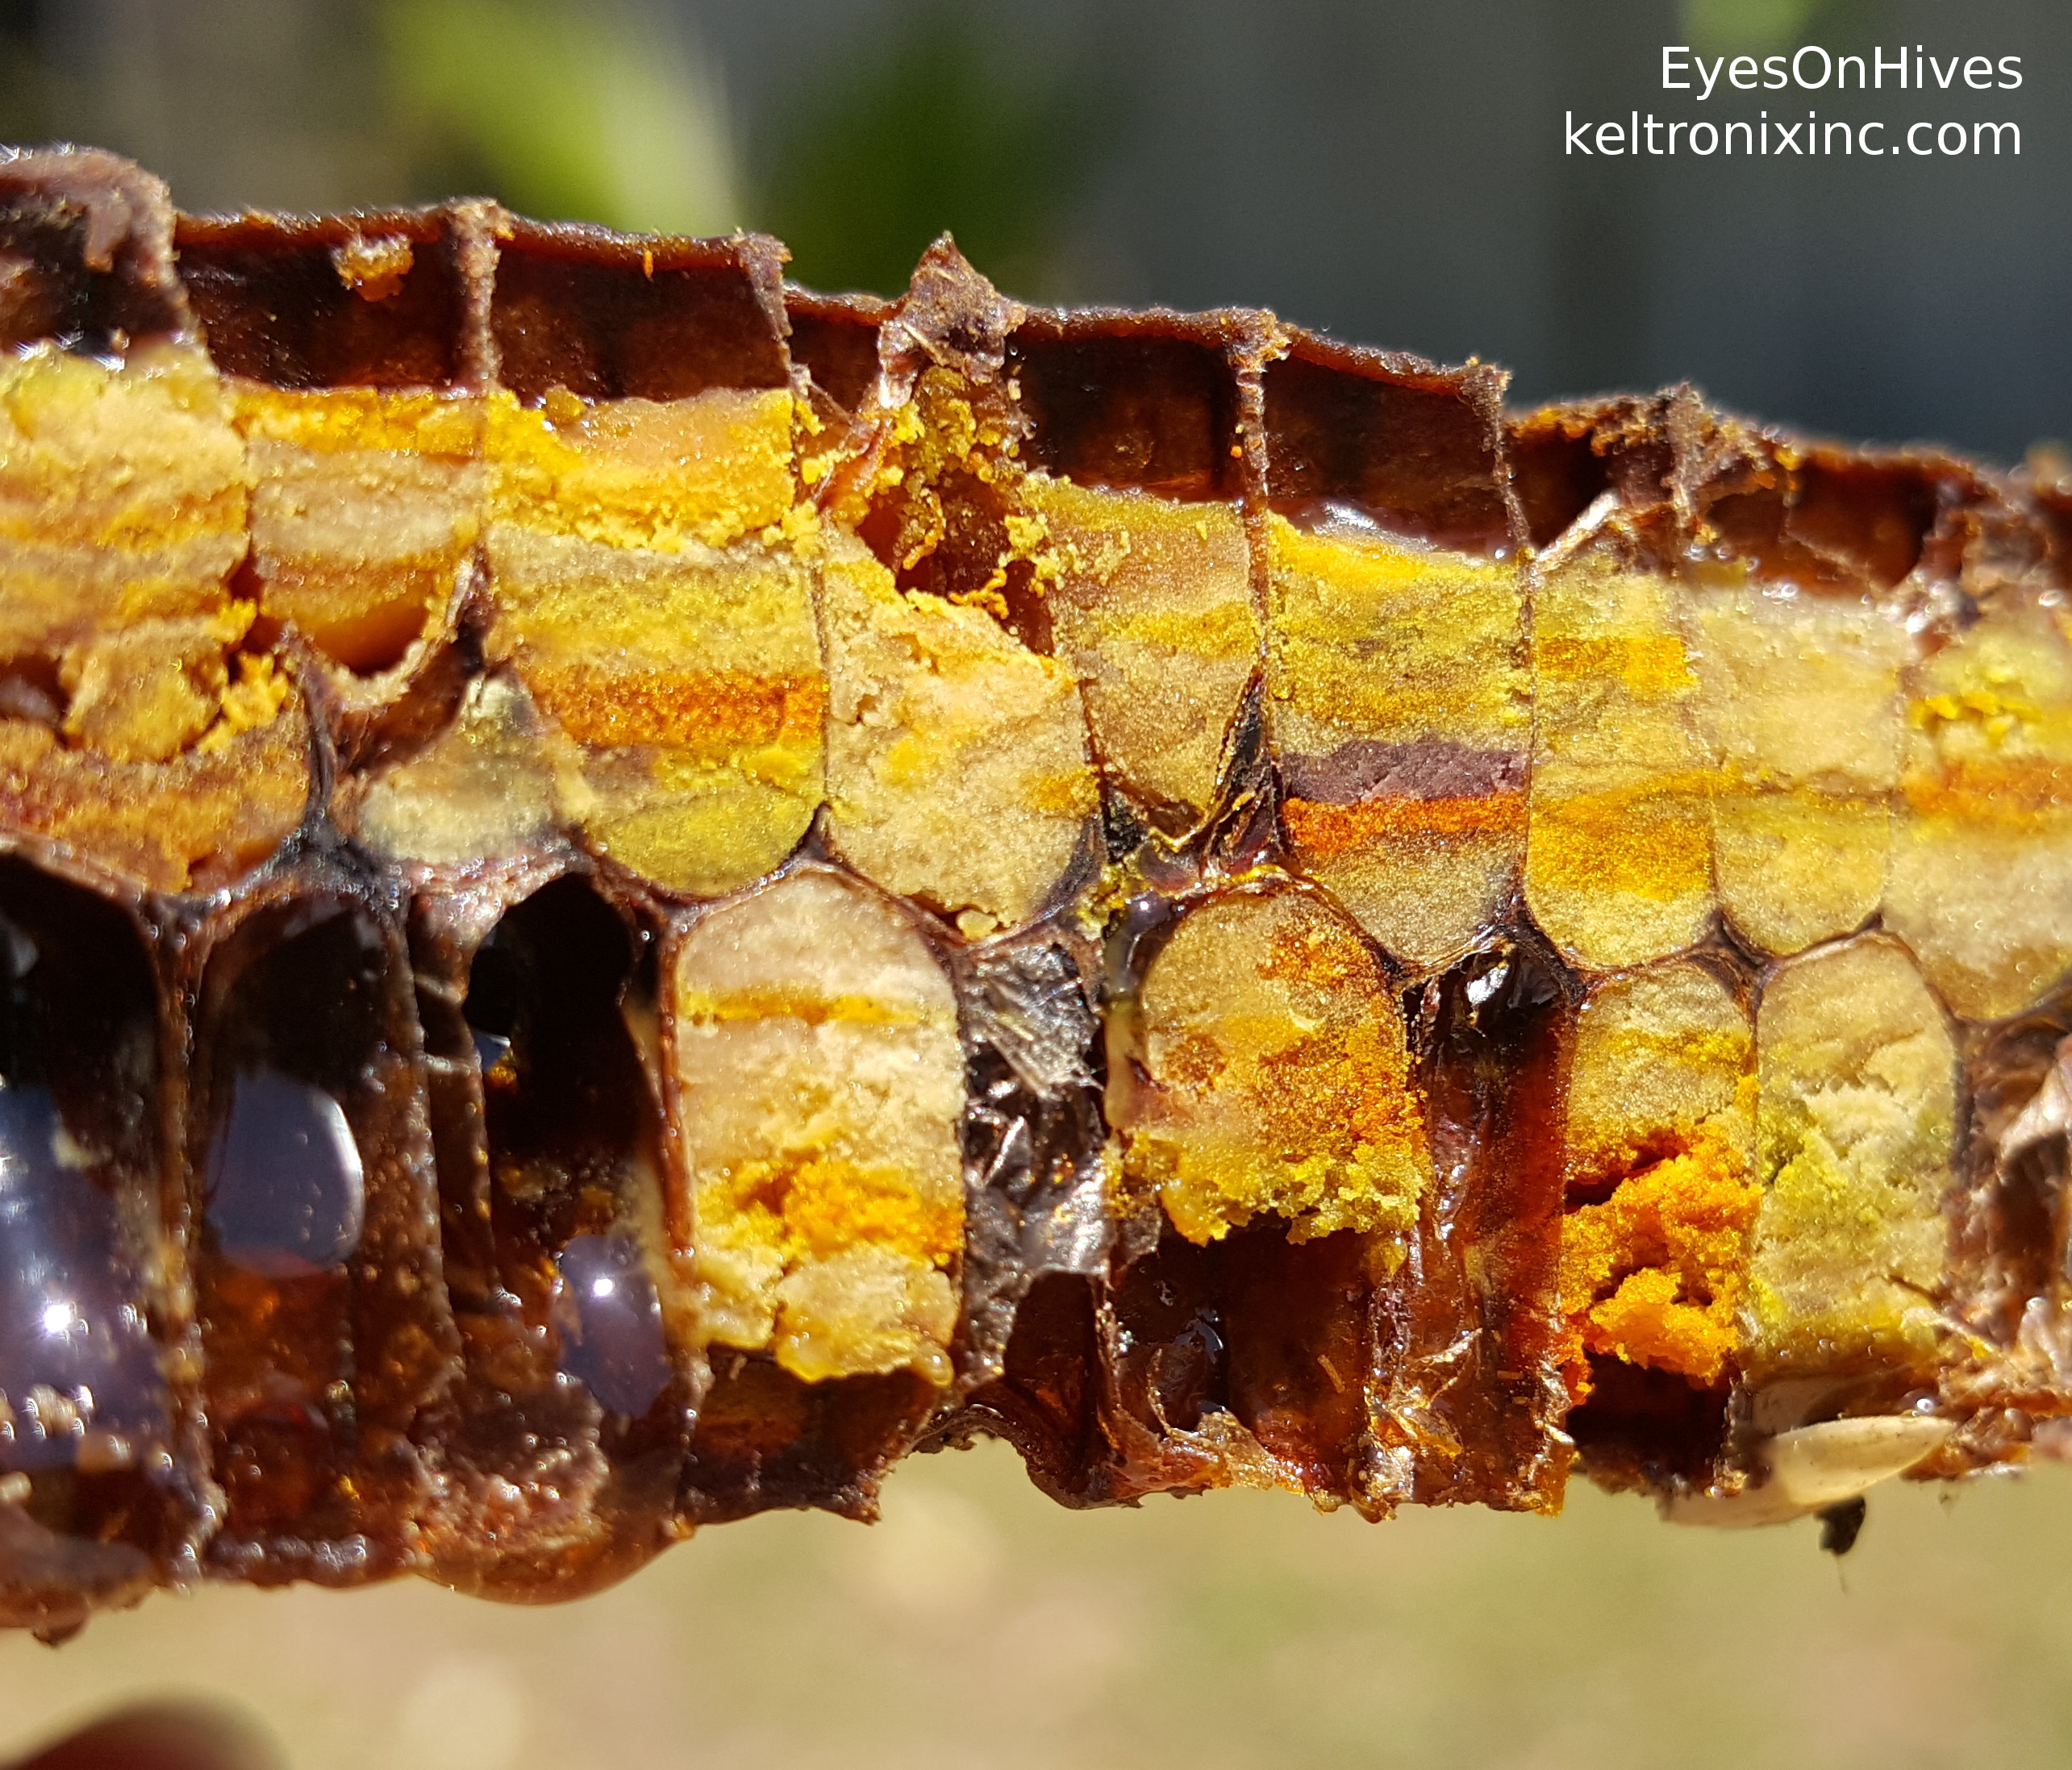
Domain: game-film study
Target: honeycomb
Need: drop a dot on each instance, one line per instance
(627, 891)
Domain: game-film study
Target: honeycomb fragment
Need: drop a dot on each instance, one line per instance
(626, 892)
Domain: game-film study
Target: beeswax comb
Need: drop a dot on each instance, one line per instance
(627, 891)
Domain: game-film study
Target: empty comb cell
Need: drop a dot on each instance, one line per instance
(103, 1492)
(1466, 1392)
(374, 300)
(835, 339)
(325, 1333)
(89, 252)
(566, 1432)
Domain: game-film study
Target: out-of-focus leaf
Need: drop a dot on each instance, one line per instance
(601, 111)
(933, 123)
(1750, 26)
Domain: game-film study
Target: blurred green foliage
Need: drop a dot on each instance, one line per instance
(1753, 26)
(596, 112)
(936, 115)
(936, 121)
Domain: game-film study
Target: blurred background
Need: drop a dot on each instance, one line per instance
(981, 1627)
(1390, 170)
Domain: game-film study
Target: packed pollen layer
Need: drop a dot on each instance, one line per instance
(1619, 864)
(1661, 1175)
(627, 891)
(125, 500)
(1151, 599)
(1799, 700)
(820, 1088)
(364, 506)
(1273, 1076)
(652, 593)
(1401, 708)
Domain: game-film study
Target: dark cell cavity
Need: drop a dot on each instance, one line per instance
(569, 1423)
(86, 1414)
(78, 1373)
(324, 1329)
(75, 1356)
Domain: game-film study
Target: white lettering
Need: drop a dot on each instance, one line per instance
(1812, 67)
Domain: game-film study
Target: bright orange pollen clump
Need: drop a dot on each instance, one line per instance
(1654, 1274)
